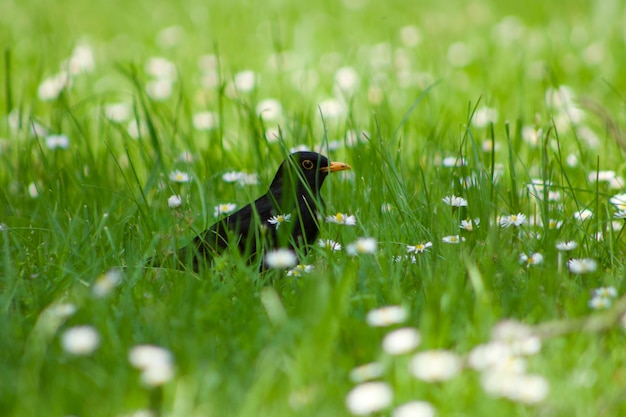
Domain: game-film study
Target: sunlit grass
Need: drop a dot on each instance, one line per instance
(486, 191)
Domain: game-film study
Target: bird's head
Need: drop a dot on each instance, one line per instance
(306, 169)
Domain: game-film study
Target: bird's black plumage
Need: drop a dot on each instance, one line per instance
(295, 191)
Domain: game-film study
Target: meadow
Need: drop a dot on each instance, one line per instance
(470, 264)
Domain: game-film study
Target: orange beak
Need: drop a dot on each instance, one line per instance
(335, 167)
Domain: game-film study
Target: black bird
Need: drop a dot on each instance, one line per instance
(294, 194)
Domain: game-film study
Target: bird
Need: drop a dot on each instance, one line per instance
(285, 216)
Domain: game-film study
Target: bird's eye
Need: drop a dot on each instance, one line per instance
(307, 164)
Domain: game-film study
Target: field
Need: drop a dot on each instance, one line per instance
(470, 264)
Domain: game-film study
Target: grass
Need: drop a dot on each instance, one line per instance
(250, 343)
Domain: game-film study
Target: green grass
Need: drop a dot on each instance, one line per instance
(249, 343)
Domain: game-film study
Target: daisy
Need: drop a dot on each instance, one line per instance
(583, 215)
(363, 245)
(57, 142)
(414, 409)
(269, 110)
(469, 225)
(620, 214)
(329, 244)
(609, 292)
(106, 282)
(386, 316)
(155, 363)
(366, 372)
(555, 224)
(453, 239)
(400, 341)
(281, 258)
(299, 269)
(174, 201)
(369, 397)
(179, 176)
(340, 218)
(205, 121)
(455, 201)
(582, 266)
(567, 246)
(600, 303)
(419, 248)
(435, 365)
(225, 208)
(532, 260)
(619, 201)
(279, 219)
(513, 220)
(80, 340)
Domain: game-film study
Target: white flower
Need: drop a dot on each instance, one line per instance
(332, 108)
(470, 225)
(419, 248)
(118, 112)
(340, 218)
(582, 266)
(455, 201)
(435, 365)
(245, 81)
(605, 176)
(620, 214)
(106, 282)
(329, 244)
(527, 389)
(269, 109)
(137, 129)
(63, 310)
(161, 68)
(619, 201)
(414, 409)
(401, 341)
(363, 245)
(225, 208)
(281, 258)
(51, 87)
(186, 157)
(609, 292)
(205, 121)
(490, 355)
(57, 142)
(600, 303)
(242, 178)
(567, 246)
(386, 316)
(583, 215)
(174, 201)
(155, 363)
(347, 80)
(366, 372)
(513, 220)
(531, 260)
(299, 269)
(82, 60)
(554, 224)
(179, 176)
(159, 89)
(455, 239)
(369, 397)
(484, 116)
(279, 219)
(80, 340)
(453, 161)
(410, 37)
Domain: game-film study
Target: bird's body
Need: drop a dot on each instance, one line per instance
(294, 195)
